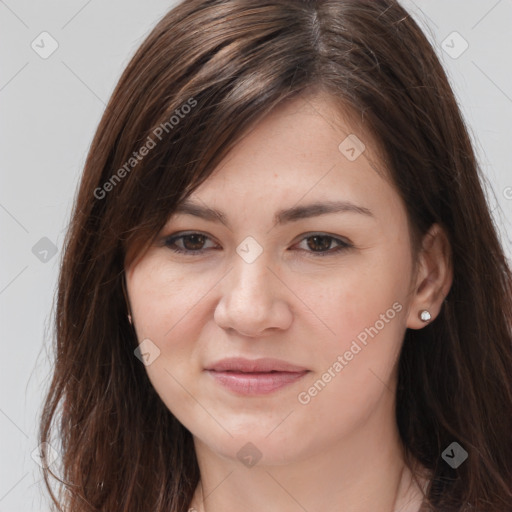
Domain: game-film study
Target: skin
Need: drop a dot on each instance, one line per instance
(341, 450)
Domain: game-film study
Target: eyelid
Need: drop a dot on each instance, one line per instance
(324, 233)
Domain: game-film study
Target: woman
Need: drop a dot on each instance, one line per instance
(282, 288)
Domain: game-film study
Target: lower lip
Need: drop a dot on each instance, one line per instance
(256, 383)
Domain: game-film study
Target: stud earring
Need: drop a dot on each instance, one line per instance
(425, 315)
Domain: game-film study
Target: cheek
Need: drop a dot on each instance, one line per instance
(365, 327)
(356, 296)
(364, 308)
(165, 306)
(162, 299)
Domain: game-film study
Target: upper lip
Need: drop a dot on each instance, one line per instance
(254, 365)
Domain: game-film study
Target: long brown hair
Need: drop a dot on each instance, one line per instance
(206, 73)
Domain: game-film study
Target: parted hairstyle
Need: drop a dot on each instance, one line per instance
(207, 72)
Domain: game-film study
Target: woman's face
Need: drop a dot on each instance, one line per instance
(294, 250)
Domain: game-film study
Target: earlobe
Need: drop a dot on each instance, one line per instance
(433, 280)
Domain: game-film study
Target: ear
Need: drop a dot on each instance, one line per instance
(433, 278)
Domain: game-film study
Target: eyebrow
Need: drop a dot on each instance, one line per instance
(284, 216)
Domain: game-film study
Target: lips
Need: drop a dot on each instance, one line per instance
(253, 377)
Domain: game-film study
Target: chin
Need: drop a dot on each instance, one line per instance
(254, 446)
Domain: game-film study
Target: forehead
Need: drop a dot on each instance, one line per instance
(307, 147)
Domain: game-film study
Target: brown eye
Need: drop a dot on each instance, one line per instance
(319, 244)
(188, 243)
(193, 242)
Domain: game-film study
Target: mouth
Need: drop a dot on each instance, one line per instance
(255, 377)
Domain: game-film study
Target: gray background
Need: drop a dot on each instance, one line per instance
(49, 111)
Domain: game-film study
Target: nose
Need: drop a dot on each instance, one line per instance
(254, 301)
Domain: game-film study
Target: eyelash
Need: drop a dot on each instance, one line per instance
(343, 245)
